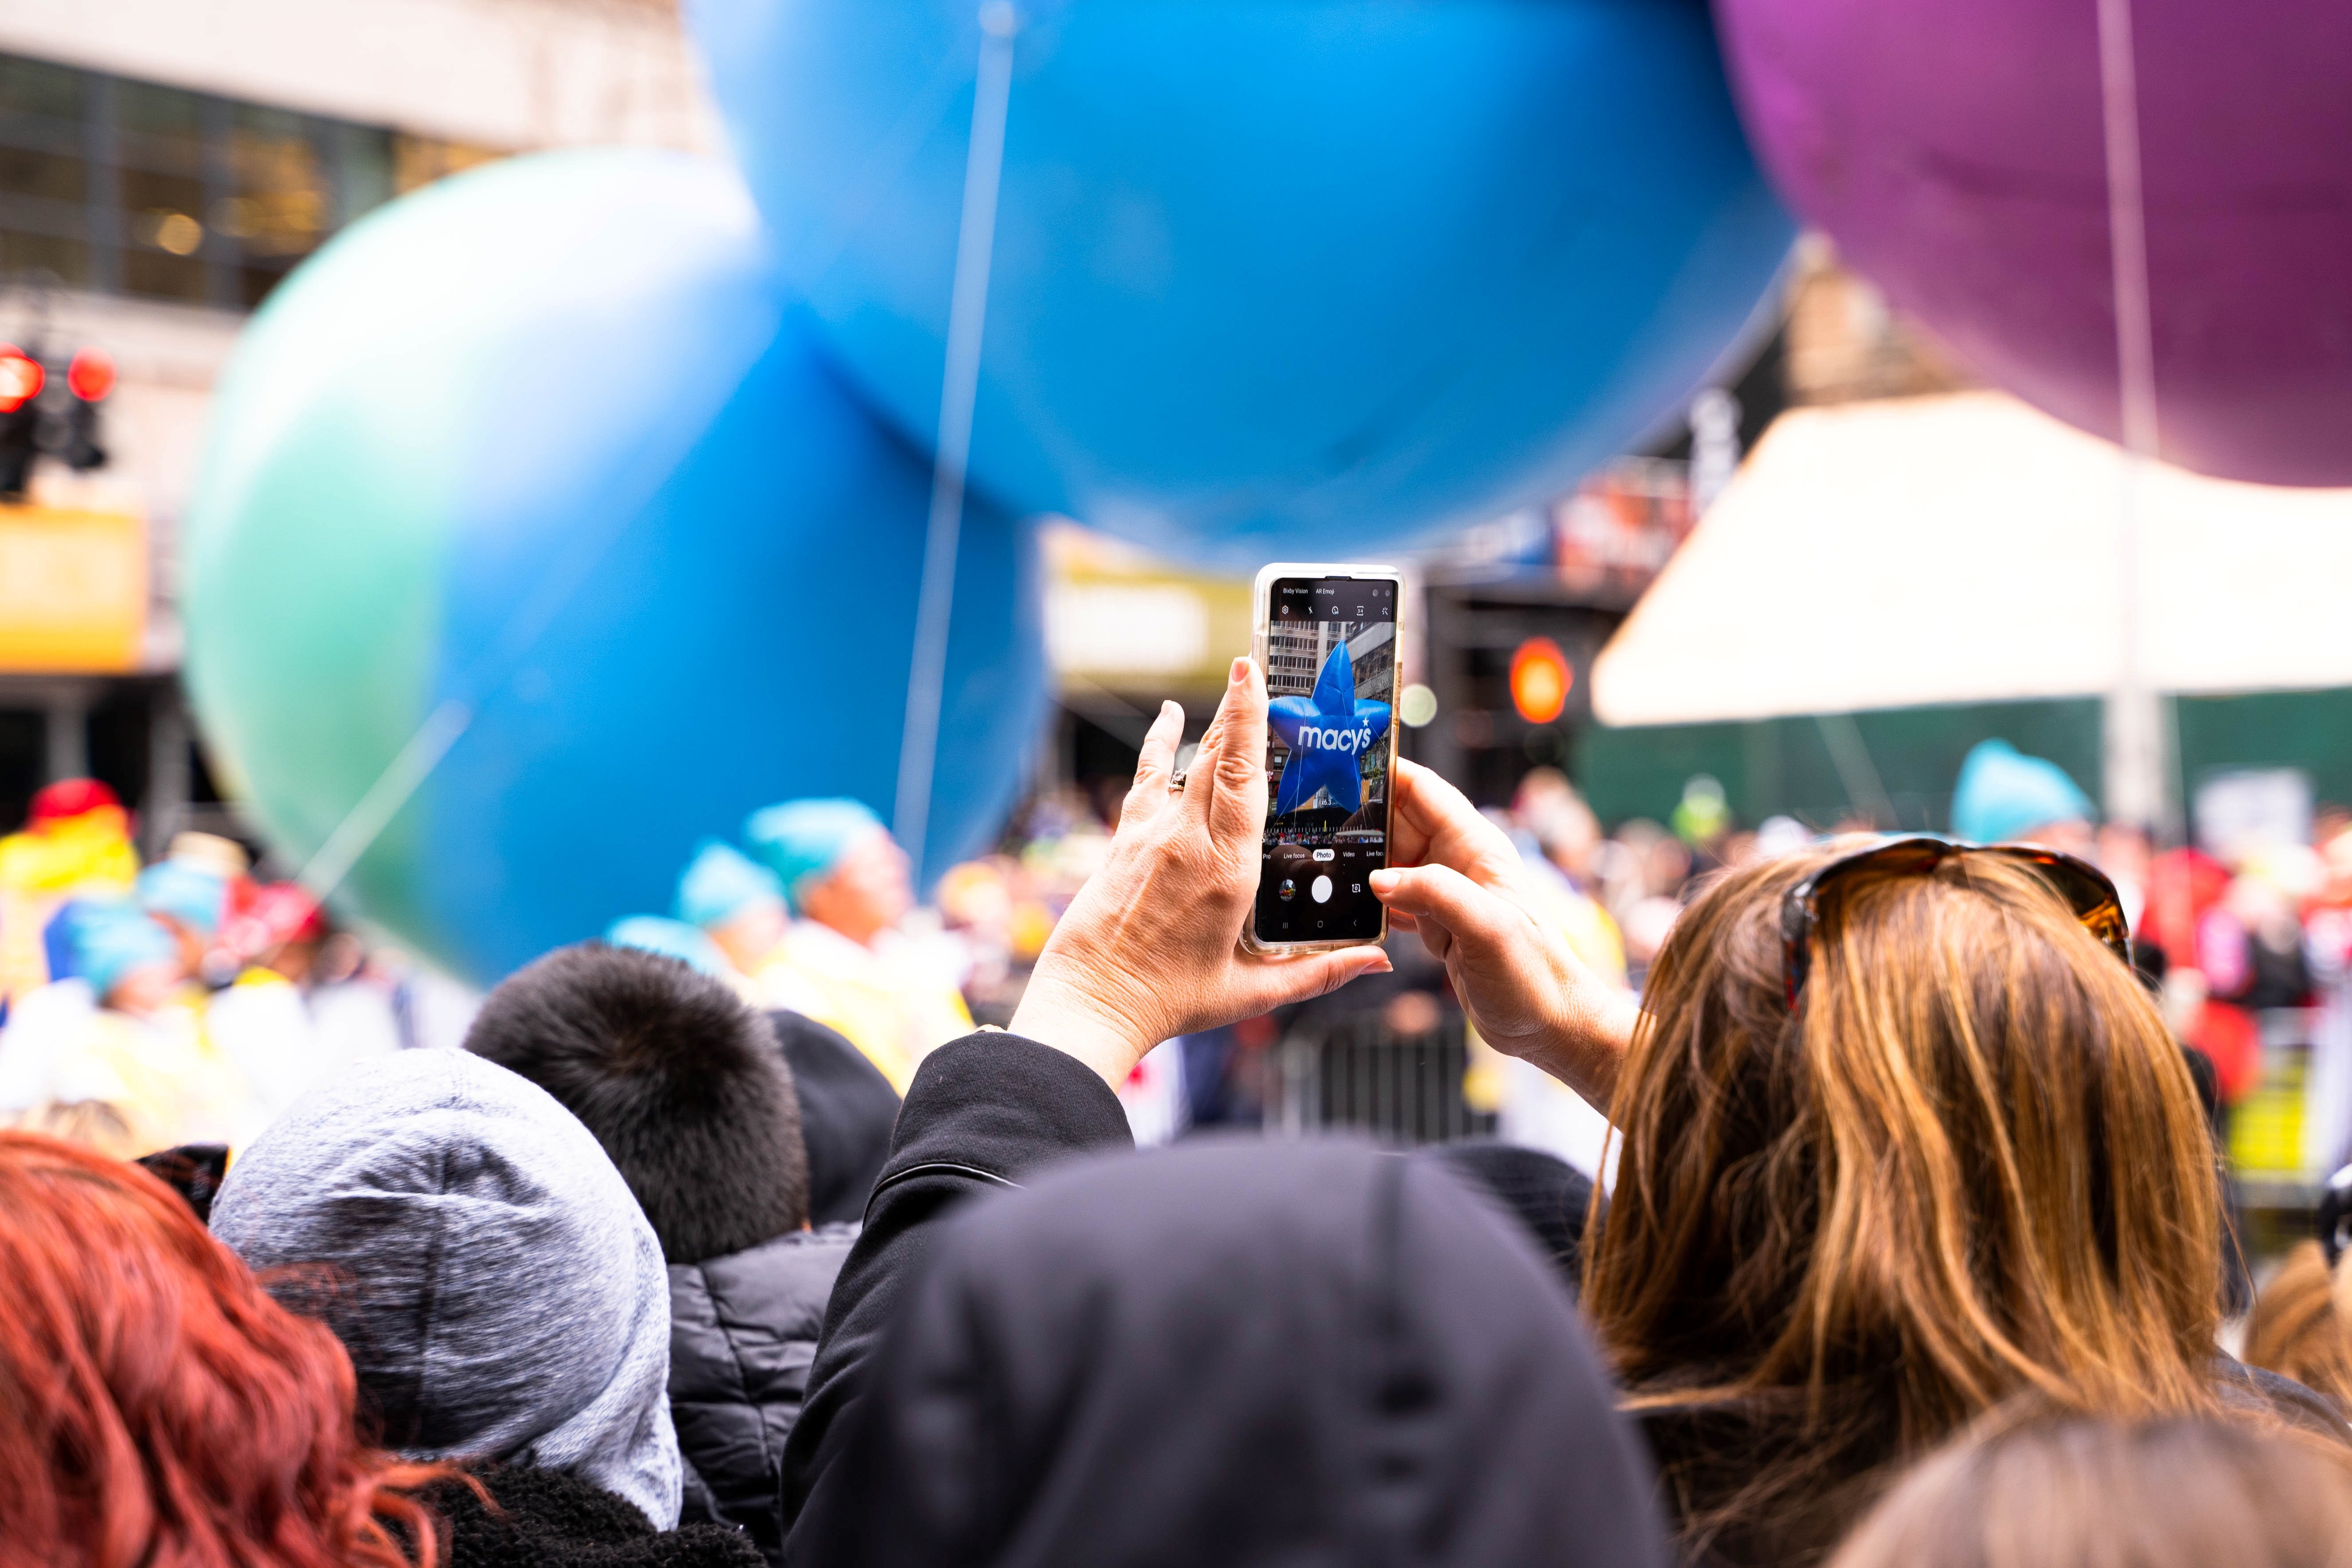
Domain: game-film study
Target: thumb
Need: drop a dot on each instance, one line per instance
(1275, 982)
(1445, 895)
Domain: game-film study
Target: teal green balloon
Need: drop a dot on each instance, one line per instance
(544, 452)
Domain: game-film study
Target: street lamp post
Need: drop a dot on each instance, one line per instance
(2136, 770)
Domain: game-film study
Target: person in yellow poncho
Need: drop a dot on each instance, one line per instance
(738, 907)
(127, 1030)
(75, 843)
(846, 956)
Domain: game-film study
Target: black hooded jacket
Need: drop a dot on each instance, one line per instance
(1230, 1352)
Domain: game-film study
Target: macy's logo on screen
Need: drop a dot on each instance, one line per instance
(1317, 737)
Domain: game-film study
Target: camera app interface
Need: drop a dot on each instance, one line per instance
(1331, 673)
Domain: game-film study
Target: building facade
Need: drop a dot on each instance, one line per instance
(162, 167)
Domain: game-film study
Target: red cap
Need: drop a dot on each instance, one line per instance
(277, 913)
(69, 797)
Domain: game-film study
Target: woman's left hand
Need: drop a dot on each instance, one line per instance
(1151, 947)
(1455, 879)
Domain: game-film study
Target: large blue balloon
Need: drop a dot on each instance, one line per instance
(546, 442)
(1270, 276)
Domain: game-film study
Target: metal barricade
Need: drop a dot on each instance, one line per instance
(1358, 1074)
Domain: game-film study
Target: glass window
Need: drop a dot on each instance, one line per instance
(419, 160)
(161, 275)
(279, 204)
(130, 185)
(152, 200)
(160, 129)
(41, 90)
(253, 283)
(159, 140)
(362, 157)
(45, 176)
(45, 180)
(68, 259)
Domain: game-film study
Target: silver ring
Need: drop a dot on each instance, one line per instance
(1176, 782)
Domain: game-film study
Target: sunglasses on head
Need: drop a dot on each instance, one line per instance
(2082, 885)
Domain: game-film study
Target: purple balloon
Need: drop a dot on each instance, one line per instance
(1954, 152)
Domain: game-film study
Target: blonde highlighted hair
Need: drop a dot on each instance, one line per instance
(1970, 1164)
(2297, 1326)
(2060, 1491)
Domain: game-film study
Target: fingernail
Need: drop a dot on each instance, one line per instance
(1168, 708)
(1384, 880)
(1241, 670)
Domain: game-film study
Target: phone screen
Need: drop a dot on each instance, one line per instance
(1331, 675)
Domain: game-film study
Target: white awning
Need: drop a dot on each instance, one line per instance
(1967, 548)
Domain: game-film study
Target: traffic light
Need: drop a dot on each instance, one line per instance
(89, 378)
(1540, 680)
(23, 437)
(21, 379)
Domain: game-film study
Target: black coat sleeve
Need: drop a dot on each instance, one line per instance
(982, 1111)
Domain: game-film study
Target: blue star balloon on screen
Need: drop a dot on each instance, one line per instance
(1328, 733)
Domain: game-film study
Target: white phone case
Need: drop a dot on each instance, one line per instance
(1262, 617)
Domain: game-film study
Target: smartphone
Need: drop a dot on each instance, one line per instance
(1327, 641)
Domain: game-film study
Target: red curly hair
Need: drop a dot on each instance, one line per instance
(157, 1408)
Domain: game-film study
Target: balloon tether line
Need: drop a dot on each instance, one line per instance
(366, 820)
(959, 392)
(2135, 786)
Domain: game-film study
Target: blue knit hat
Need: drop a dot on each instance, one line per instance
(720, 882)
(188, 894)
(804, 840)
(2003, 793)
(111, 939)
(691, 945)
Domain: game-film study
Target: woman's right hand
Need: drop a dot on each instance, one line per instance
(1151, 947)
(1457, 880)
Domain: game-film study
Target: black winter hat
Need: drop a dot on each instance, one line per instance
(678, 1078)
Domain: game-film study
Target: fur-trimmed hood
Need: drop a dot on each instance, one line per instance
(678, 1079)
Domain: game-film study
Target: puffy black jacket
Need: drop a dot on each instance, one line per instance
(743, 1329)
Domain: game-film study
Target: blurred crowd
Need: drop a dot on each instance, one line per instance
(182, 1000)
(190, 1001)
(814, 911)
(729, 1240)
(2252, 947)
(2233, 945)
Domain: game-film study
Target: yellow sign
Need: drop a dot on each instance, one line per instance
(73, 590)
(1122, 621)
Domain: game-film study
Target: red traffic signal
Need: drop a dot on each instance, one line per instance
(90, 376)
(21, 378)
(1541, 679)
